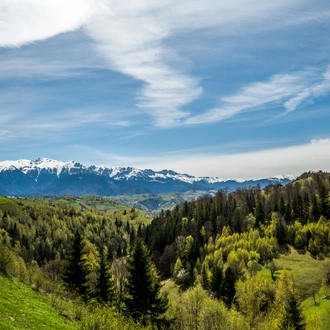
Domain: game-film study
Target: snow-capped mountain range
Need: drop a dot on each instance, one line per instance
(45, 176)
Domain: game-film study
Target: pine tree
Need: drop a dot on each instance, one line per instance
(204, 278)
(260, 214)
(75, 275)
(143, 300)
(292, 317)
(324, 203)
(104, 283)
(228, 290)
(216, 281)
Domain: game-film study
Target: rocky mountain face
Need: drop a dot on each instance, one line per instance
(51, 177)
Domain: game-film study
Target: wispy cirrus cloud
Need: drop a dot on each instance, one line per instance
(38, 67)
(288, 91)
(132, 36)
(137, 51)
(318, 89)
(140, 51)
(56, 124)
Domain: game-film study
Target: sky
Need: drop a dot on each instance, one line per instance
(233, 89)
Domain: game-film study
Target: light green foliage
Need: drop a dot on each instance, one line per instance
(6, 254)
(195, 309)
(91, 262)
(107, 318)
(189, 246)
(254, 297)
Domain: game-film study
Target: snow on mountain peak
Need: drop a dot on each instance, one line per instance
(39, 164)
(282, 177)
(35, 167)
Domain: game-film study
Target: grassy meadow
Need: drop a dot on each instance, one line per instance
(22, 307)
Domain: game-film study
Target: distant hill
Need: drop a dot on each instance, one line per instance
(52, 177)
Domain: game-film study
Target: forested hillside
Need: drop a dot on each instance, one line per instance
(258, 224)
(222, 258)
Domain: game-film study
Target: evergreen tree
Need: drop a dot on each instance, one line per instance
(228, 290)
(260, 214)
(143, 300)
(281, 231)
(324, 203)
(282, 206)
(216, 281)
(204, 278)
(292, 317)
(104, 283)
(315, 211)
(75, 275)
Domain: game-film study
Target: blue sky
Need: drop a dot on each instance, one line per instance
(234, 88)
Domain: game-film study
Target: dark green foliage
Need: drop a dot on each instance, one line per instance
(324, 205)
(204, 279)
(228, 287)
(143, 300)
(315, 211)
(104, 283)
(216, 281)
(75, 275)
(281, 232)
(260, 214)
(292, 317)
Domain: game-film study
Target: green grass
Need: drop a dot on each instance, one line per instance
(307, 272)
(21, 307)
(4, 201)
(319, 313)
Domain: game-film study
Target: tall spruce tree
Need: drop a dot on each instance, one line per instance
(143, 299)
(228, 290)
(104, 282)
(75, 275)
(292, 317)
(216, 281)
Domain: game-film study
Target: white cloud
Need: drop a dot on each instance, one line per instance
(315, 90)
(42, 67)
(135, 49)
(26, 21)
(50, 126)
(138, 48)
(132, 36)
(286, 90)
(292, 160)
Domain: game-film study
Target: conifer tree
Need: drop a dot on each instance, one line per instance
(292, 317)
(104, 283)
(143, 300)
(204, 278)
(75, 275)
(228, 290)
(216, 281)
(259, 214)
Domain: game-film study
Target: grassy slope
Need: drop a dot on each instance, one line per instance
(307, 274)
(21, 307)
(306, 271)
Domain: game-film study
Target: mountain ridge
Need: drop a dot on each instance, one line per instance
(48, 176)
